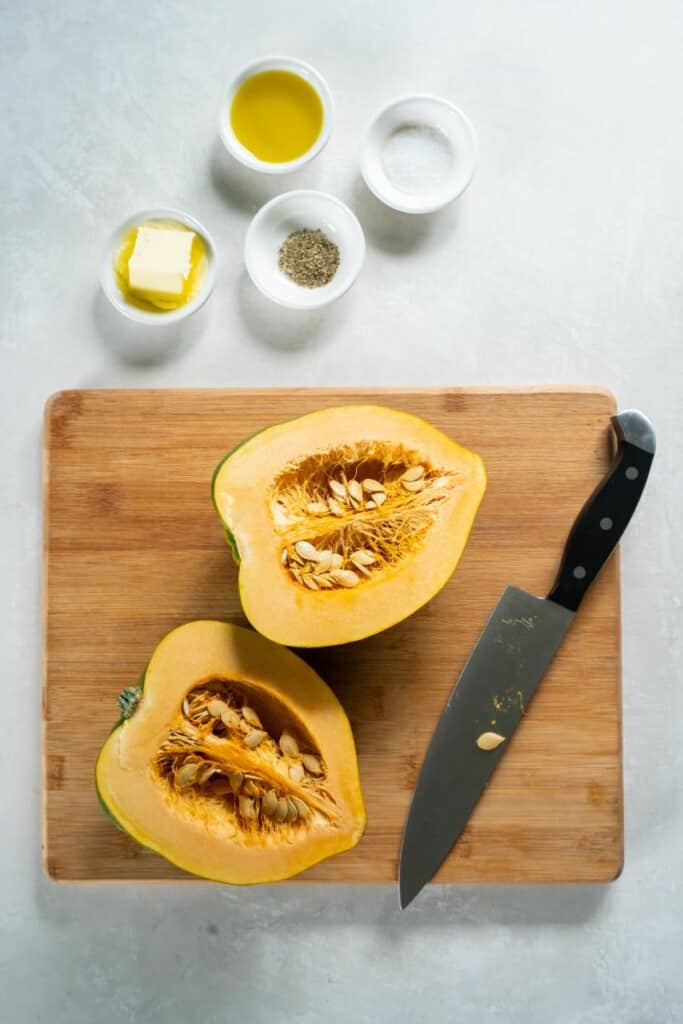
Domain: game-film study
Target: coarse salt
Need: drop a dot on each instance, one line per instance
(417, 158)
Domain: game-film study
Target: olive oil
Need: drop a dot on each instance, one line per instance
(158, 303)
(277, 116)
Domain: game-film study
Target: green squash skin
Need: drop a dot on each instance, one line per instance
(140, 686)
(108, 813)
(228, 535)
(232, 543)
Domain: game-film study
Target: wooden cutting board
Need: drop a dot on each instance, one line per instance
(133, 547)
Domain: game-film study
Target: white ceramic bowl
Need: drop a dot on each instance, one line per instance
(143, 316)
(415, 112)
(297, 67)
(293, 211)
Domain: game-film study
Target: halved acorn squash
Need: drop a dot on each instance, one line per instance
(345, 521)
(233, 759)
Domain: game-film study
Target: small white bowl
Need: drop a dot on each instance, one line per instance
(421, 111)
(108, 277)
(297, 67)
(293, 211)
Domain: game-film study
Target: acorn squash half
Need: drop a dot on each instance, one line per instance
(345, 521)
(233, 759)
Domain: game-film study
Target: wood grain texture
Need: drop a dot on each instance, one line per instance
(133, 547)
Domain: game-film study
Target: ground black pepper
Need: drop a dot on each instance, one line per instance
(309, 258)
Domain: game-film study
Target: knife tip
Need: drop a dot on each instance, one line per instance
(406, 895)
(413, 874)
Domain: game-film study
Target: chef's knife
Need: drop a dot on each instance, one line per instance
(511, 657)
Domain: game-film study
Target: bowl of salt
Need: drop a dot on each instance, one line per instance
(420, 154)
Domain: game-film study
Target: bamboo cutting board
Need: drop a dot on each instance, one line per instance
(133, 547)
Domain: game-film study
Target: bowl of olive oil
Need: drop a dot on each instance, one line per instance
(277, 115)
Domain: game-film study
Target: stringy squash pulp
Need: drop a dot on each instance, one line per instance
(236, 761)
(345, 521)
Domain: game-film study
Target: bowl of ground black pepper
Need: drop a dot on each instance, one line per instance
(304, 249)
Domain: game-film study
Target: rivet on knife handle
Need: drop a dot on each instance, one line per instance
(607, 512)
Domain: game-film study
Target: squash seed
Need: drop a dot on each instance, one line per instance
(324, 582)
(309, 582)
(292, 810)
(335, 508)
(205, 771)
(379, 498)
(288, 745)
(250, 788)
(371, 486)
(433, 498)
(370, 504)
(251, 716)
(355, 491)
(186, 775)
(413, 474)
(317, 508)
(186, 707)
(363, 557)
(305, 550)
(230, 718)
(312, 764)
(281, 809)
(325, 560)
(490, 740)
(337, 561)
(269, 803)
(236, 779)
(338, 490)
(252, 739)
(301, 807)
(345, 577)
(296, 771)
(284, 557)
(440, 481)
(247, 808)
(413, 485)
(216, 708)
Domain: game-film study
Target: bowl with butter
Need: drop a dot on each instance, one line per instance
(160, 266)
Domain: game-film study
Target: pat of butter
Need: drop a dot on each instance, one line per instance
(160, 261)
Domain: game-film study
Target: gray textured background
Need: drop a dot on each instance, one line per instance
(563, 263)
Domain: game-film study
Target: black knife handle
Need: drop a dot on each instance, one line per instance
(606, 514)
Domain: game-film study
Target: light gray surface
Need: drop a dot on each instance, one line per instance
(563, 263)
